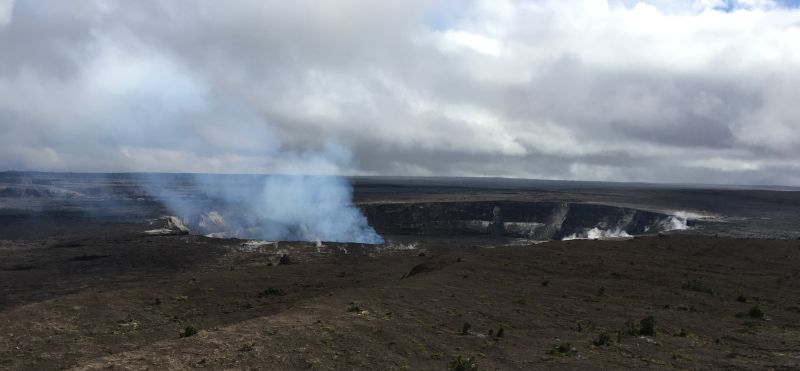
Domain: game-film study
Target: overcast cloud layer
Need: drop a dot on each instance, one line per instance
(666, 91)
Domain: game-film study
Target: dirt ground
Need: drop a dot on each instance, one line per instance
(125, 301)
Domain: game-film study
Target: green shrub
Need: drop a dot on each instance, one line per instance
(247, 348)
(563, 350)
(189, 331)
(603, 339)
(462, 364)
(756, 312)
(647, 326)
(271, 291)
(465, 328)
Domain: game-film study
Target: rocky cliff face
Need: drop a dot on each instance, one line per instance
(535, 220)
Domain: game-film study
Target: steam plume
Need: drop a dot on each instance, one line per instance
(276, 207)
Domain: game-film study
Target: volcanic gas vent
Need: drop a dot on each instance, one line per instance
(238, 223)
(532, 220)
(275, 207)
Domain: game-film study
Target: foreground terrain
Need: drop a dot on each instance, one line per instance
(126, 301)
(711, 280)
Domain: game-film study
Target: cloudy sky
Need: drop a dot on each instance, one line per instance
(663, 91)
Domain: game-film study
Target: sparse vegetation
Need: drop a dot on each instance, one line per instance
(581, 325)
(246, 348)
(462, 364)
(645, 327)
(741, 299)
(563, 350)
(189, 331)
(354, 308)
(271, 291)
(126, 311)
(756, 312)
(603, 338)
(465, 328)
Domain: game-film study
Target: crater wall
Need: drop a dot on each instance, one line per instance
(534, 220)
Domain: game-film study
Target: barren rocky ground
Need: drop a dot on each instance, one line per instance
(82, 287)
(716, 303)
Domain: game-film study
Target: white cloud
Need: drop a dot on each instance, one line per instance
(699, 90)
(452, 40)
(6, 11)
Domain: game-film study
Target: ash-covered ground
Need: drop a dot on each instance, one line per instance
(505, 274)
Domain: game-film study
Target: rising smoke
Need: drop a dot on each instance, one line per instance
(152, 113)
(275, 207)
(678, 221)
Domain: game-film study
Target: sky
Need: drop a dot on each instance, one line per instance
(694, 91)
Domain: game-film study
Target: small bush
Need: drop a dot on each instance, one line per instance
(603, 339)
(247, 348)
(756, 312)
(271, 291)
(563, 350)
(500, 332)
(354, 308)
(465, 328)
(462, 364)
(741, 299)
(581, 325)
(647, 326)
(189, 331)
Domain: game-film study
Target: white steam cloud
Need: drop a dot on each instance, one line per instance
(275, 207)
(678, 221)
(150, 113)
